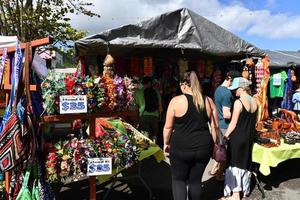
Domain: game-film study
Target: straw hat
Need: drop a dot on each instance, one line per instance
(109, 60)
(249, 62)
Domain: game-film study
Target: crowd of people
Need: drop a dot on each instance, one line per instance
(192, 123)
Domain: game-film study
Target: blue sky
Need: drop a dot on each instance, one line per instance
(268, 24)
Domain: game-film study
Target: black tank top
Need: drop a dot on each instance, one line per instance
(191, 132)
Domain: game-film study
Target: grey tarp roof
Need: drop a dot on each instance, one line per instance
(180, 29)
(280, 59)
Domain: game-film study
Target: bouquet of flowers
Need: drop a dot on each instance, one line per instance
(68, 158)
(53, 86)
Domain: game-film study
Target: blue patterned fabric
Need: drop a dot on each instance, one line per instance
(287, 98)
(15, 76)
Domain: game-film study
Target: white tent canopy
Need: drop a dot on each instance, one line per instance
(38, 64)
(8, 41)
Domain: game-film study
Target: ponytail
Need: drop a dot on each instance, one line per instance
(197, 91)
(190, 78)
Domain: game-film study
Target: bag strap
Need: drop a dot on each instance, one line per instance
(17, 85)
(24, 85)
(26, 177)
(218, 131)
(211, 112)
(2, 64)
(28, 59)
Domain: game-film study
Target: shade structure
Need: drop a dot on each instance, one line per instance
(180, 29)
(283, 59)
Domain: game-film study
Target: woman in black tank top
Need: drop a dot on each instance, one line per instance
(241, 133)
(187, 139)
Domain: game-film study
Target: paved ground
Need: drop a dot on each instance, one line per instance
(283, 184)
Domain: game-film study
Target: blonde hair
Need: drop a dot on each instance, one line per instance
(191, 79)
(248, 90)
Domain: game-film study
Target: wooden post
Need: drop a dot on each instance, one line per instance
(92, 179)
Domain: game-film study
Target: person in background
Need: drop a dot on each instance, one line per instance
(296, 101)
(149, 102)
(187, 139)
(223, 100)
(240, 135)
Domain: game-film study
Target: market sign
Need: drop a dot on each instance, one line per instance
(72, 104)
(99, 166)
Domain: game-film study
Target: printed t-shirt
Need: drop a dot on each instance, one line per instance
(277, 90)
(296, 101)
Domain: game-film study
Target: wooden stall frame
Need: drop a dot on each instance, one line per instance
(7, 86)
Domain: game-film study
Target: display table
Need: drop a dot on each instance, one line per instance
(154, 150)
(92, 122)
(271, 157)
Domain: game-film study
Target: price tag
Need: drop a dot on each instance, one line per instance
(99, 166)
(72, 104)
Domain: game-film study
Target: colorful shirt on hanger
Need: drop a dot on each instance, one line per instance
(277, 90)
(259, 74)
(287, 98)
(296, 101)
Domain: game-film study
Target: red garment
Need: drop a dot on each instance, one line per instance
(134, 67)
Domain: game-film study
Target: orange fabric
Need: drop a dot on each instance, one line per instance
(261, 96)
(148, 66)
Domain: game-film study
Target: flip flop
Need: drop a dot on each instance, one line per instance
(212, 174)
(224, 198)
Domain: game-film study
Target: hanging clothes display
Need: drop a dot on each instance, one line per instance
(216, 80)
(2, 64)
(134, 66)
(287, 98)
(120, 66)
(261, 96)
(209, 68)
(200, 69)
(183, 65)
(277, 84)
(259, 74)
(148, 66)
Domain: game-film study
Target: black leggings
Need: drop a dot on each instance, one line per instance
(187, 169)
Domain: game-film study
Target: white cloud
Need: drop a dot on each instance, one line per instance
(234, 17)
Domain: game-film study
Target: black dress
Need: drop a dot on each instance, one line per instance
(237, 175)
(242, 139)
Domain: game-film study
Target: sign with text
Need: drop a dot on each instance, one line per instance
(72, 104)
(99, 166)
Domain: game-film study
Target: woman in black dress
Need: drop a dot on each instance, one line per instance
(240, 135)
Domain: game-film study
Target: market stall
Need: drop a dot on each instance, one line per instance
(164, 47)
(103, 87)
(279, 129)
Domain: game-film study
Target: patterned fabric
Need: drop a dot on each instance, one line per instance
(2, 64)
(12, 149)
(15, 184)
(148, 66)
(237, 180)
(287, 98)
(15, 76)
(259, 74)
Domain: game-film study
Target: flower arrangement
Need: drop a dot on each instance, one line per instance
(68, 158)
(104, 93)
(120, 92)
(130, 89)
(53, 86)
